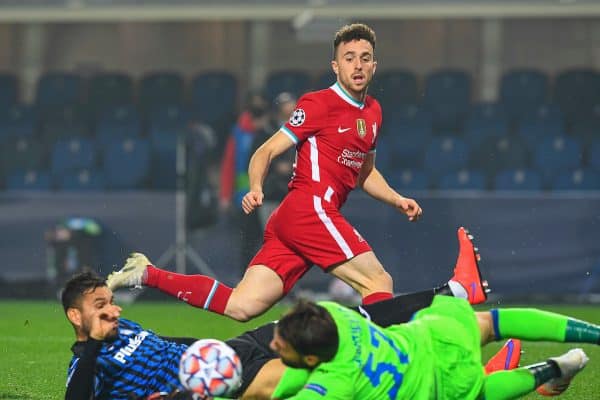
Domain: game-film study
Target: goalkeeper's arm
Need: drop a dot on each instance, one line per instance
(80, 384)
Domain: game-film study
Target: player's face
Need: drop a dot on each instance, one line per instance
(98, 314)
(289, 356)
(354, 66)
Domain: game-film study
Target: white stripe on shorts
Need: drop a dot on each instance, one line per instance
(337, 236)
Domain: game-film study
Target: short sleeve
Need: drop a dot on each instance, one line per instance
(308, 118)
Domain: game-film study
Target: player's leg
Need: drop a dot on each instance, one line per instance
(553, 376)
(535, 325)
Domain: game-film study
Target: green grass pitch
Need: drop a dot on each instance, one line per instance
(35, 340)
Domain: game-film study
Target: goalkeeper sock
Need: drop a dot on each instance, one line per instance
(197, 290)
(398, 309)
(533, 324)
(505, 385)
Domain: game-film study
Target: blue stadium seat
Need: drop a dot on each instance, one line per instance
(594, 155)
(325, 79)
(577, 91)
(579, 179)
(22, 154)
(486, 120)
(463, 180)
(293, 81)
(214, 98)
(446, 154)
(448, 96)
(406, 132)
(126, 163)
(171, 117)
(17, 121)
(546, 121)
(109, 90)
(164, 157)
(522, 91)
(8, 90)
(72, 155)
(394, 88)
(64, 122)
(587, 128)
(518, 179)
(29, 180)
(81, 180)
(557, 154)
(118, 122)
(409, 179)
(159, 89)
(496, 154)
(58, 89)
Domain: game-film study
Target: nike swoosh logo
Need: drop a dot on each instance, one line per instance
(340, 130)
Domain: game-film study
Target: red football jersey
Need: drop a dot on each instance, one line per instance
(333, 134)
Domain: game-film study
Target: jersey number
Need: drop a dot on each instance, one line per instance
(374, 372)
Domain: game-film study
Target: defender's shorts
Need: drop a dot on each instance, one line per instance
(306, 230)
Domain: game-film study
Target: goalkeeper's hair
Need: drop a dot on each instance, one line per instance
(310, 330)
(348, 33)
(78, 285)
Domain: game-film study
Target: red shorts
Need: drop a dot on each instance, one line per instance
(306, 230)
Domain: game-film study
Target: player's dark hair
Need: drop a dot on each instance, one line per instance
(348, 33)
(78, 285)
(310, 330)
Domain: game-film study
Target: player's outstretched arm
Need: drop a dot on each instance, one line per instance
(375, 185)
(80, 383)
(259, 166)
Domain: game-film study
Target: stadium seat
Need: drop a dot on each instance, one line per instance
(22, 154)
(496, 154)
(518, 179)
(72, 155)
(169, 117)
(64, 122)
(579, 179)
(408, 179)
(325, 79)
(81, 180)
(555, 155)
(393, 89)
(293, 81)
(463, 180)
(406, 132)
(17, 121)
(126, 163)
(118, 122)
(29, 180)
(444, 155)
(214, 98)
(577, 91)
(159, 89)
(108, 90)
(485, 120)
(164, 157)
(448, 95)
(522, 91)
(58, 89)
(546, 121)
(594, 155)
(587, 128)
(8, 90)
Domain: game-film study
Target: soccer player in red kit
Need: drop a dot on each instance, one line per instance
(335, 133)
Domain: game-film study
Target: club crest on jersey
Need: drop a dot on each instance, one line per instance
(361, 127)
(298, 117)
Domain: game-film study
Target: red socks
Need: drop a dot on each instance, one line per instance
(198, 290)
(376, 297)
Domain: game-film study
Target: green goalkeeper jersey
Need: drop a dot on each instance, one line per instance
(372, 362)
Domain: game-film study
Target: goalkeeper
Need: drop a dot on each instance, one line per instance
(435, 356)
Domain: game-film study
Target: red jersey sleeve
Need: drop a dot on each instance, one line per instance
(377, 127)
(309, 117)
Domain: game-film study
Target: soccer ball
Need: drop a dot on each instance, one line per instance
(210, 368)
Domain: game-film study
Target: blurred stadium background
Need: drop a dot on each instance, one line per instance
(491, 120)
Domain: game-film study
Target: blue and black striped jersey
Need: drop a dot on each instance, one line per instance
(136, 364)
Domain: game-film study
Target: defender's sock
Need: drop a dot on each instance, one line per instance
(198, 290)
(533, 324)
(398, 309)
(376, 297)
